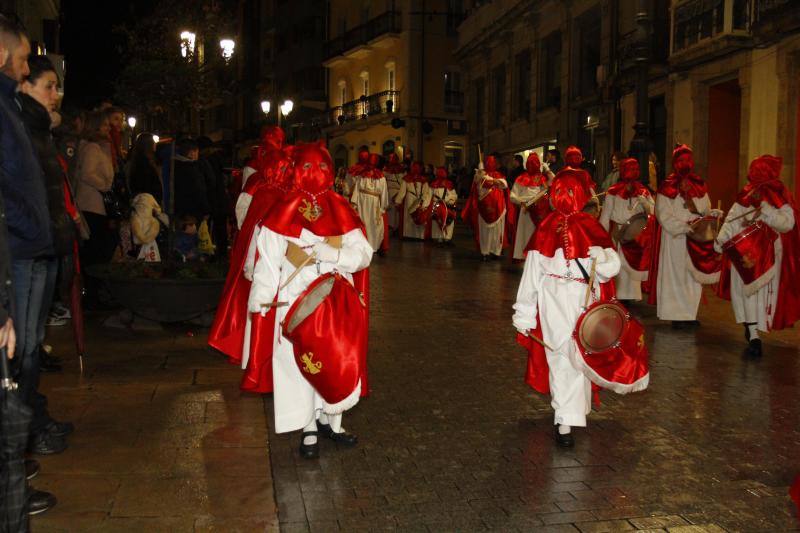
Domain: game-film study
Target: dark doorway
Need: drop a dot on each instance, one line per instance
(724, 116)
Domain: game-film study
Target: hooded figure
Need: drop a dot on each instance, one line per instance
(261, 169)
(529, 194)
(761, 240)
(311, 240)
(624, 200)
(551, 298)
(680, 266)
(413, 197)
(370, 197)
(361, 168)
(488, 209)
(393, 171)
(443, 201)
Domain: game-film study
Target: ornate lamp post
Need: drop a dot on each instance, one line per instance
(640, 144)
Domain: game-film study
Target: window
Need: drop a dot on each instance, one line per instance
(522, 100)
(498, 95)
(364, 82)
(550, 73)
(390, 83)
(480, 102)
(453, 97)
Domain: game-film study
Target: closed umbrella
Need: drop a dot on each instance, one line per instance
(76, 306)
(15, 419)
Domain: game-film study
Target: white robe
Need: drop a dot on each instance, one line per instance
(371, 197)
(393, 184)
(618, 210)
(491, 234)
(296, 401)
(449, 197)
(558, 303)
(759, 306)
(409, 195)
(521, 195)
(245, 199)
(679, 292)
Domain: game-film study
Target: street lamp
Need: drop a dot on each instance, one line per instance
(156, 138)
(265, 106)
(287, 107)
(227, 46)
(187, 43)
(132, 122)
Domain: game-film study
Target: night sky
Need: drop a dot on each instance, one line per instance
(92, 50)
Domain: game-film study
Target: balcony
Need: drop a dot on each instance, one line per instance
(454, 102)
(380, 32)
(773, 18)
(703, 29)
(361, 111)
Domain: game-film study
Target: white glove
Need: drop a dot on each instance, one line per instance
(719, 213)
(767, 212)
(598, 253)
(717, 246)
(326, 253)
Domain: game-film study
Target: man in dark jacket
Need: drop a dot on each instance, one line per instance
(191, 195)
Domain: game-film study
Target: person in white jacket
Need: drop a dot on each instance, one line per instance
(370, 197)
(552, 296)
(529, 188)
(306, 223)
(624, 199)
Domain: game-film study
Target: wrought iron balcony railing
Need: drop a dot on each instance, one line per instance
(695, 21)
(388, 22)
(384, 102)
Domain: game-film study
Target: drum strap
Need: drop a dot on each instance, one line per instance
(297, 256)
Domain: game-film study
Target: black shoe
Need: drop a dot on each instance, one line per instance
(565, 440)
(485, 258)
(754, 348)
(47, 367)
(60, 429)
(46, 358)
(309, 451)
(45, 443)
(381, 252)
(31, 469)
(40, 501)
(346, 439)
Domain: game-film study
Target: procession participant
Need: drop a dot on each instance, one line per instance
(231, 330)
(569, 253)
(413, 197)
(370, 197)
(443, 216)
(272, 141)
(624, 200)
(312, 234)
(680, 266)
(393, 172)
(573, 159)
(487, 208)
(361, 168)
(529, 193)
(761, 238)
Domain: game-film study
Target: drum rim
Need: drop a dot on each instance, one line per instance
(627, 224)
(626, 320)
(757, 226)
(293, 309)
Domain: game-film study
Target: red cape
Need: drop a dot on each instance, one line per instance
(472, 210)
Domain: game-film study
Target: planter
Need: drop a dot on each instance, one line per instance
(169, 298)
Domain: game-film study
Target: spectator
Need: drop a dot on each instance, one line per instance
(613, 176)
(116, 118)
(212, 167)
(95, 176)
(186, 238)
(38, 99)
(517, 168)
(143, 175)
(552, 164)
(29, 245)
(68, 136)
(191, 195)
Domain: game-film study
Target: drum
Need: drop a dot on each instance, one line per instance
(612, 347)
(634, 227)
(442, 214)
(421, 215)
(752, 252)
(705, 229)
(327, 326)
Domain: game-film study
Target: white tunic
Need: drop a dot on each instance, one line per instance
(370, 197)
(679, 292)
(520, 196)
(449, 197)
(756, 307)
(393, 184)
(295, 400)
(245, 199)
(491, 234)
(619, 210)
(410, 195)
(545, 296)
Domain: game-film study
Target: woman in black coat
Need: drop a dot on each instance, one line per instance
(143, 173)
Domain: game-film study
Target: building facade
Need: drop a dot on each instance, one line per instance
(394, 84)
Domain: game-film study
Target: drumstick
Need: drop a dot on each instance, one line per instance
(297, 270)
(744, 214)
(275, 304)
(535, 199)
(591, 282)
(540, 341)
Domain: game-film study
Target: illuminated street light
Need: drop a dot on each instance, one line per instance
(265, 106)
(156, 138)
(287, 107)
(227, 46)
(187, 43)
(132, 122)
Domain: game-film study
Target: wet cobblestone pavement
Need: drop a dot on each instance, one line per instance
(453, 440)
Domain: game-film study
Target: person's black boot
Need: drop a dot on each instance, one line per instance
(346, 439)
(31, 469)
(309, 451)
(754, 348)
(39, 501)
(564, 440)
(44, 443)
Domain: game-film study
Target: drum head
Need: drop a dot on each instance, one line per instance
(601, 327)
(304, 306)
(633, 227)
(705, 230)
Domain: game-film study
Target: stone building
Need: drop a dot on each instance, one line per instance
(393, 82)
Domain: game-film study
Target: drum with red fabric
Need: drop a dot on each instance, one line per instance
(422, 215)
(636, 240)
(442, 214)
(540, 209)
(611, 343)
(328, 329)
(752, 253)
(492, 206)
